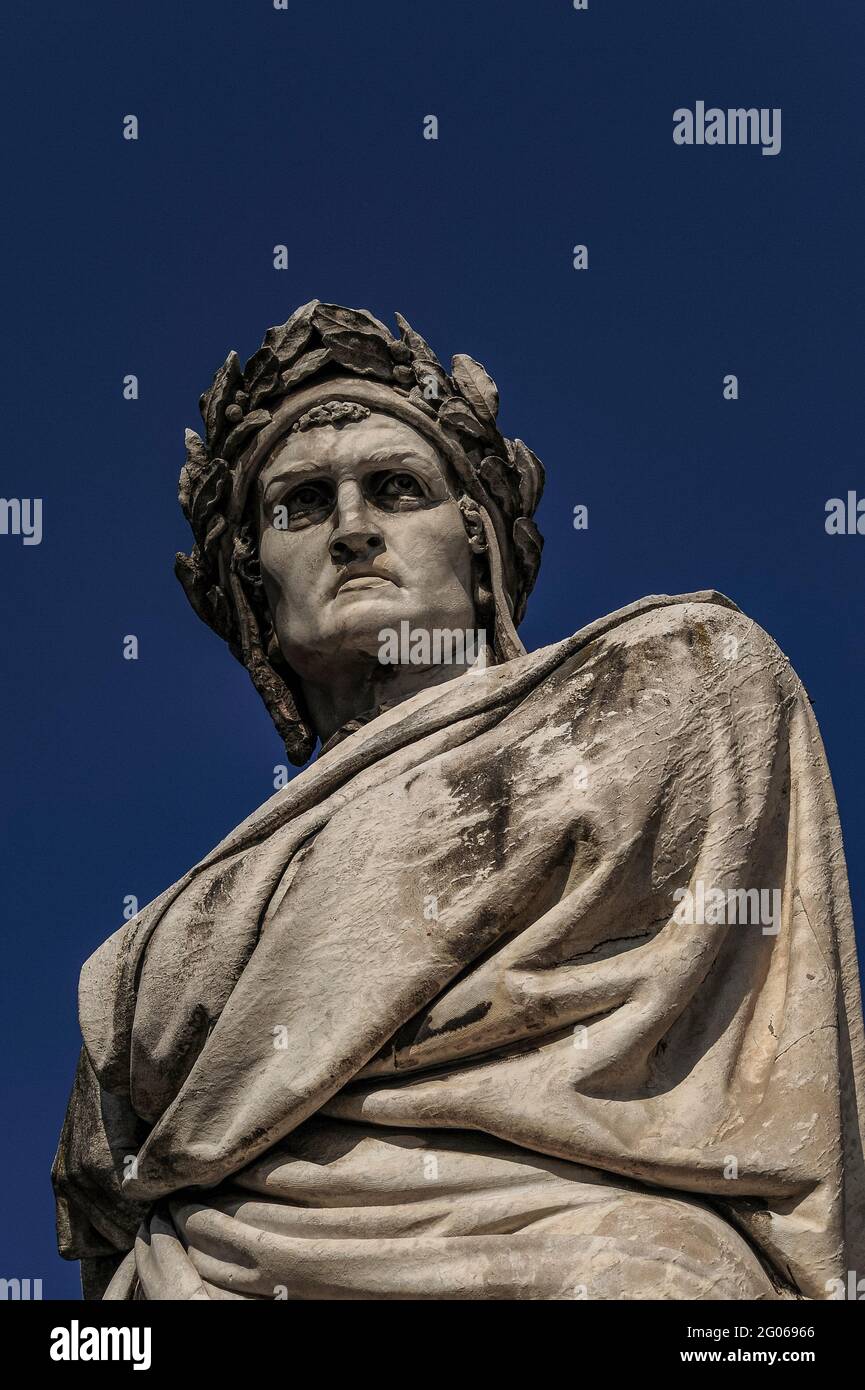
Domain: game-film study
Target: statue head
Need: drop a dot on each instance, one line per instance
(347, 483)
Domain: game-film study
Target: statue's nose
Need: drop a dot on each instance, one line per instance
(356, 535)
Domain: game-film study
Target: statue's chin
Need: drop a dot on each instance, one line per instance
(366, 623)
(356, 624)
(362, 609)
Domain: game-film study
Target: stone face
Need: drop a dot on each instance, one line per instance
(540, 981)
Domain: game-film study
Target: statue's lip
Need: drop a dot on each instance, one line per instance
(364, 579)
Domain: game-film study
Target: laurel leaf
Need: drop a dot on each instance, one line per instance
(255, 420)
(502, 482)
(207, 497)
(263, 363)
(266, 387)
(214, 402)
(478, 388)
(196, 452)
(528, 544)
(334, 319)
(426, 372)
(288, 339)
(456, 415)
(417, 398)
(305, 366)
(367, 356)
(531, 472)
(420, 350)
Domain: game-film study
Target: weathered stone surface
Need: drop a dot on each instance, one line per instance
(540, 981)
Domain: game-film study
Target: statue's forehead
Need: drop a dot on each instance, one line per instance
(350, 442)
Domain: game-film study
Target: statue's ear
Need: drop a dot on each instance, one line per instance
(482, 593)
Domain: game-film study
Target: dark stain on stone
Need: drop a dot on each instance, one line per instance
(699, 637)
(489, 791)
(219, 891)
(473, 1015)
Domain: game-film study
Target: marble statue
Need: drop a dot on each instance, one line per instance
(539, 982)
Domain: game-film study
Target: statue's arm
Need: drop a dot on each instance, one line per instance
(96, 1221)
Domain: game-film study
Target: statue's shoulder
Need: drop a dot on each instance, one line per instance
(669, 636)
(698, 619)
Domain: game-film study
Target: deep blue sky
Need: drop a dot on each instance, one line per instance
(304, 127)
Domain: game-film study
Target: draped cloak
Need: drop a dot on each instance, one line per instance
(430, 1022)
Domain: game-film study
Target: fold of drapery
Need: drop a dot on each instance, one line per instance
(465, 917)
(345, 1211)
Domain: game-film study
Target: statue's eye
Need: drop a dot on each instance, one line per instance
(307, 496)
(391, 489)
(309, 499)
